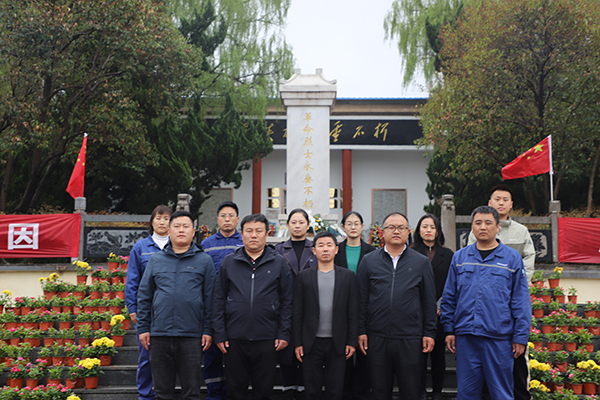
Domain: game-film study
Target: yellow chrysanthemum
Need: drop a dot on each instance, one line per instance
(54, 276)
(73, 397)
(530, 345)
(103, 342)
(7, 292)
(89, 363)
(583, 364)
(116, 319)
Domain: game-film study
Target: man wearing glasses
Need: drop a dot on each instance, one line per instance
(398, 312)
(224, 242)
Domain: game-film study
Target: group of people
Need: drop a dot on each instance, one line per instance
(345, 316)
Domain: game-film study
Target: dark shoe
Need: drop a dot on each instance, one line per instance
(437, 396)
(290, 394)
(424, 395)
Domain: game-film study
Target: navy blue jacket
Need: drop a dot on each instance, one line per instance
(174, 298)
(218, 246)
(253, 301)
(307, 260)
(397, 303)
(138, 259)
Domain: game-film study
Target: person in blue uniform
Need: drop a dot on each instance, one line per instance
(224, 242)
(486, 310)
(138, 258)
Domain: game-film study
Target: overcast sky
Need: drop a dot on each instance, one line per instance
(346, 39)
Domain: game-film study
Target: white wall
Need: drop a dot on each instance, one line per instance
(371, 169)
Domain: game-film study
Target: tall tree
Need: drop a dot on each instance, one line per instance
(514, 72)
(415, 25)
(246, 54)
(69, 67)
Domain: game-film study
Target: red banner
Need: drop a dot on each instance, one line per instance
(35, 236)
(579, 240)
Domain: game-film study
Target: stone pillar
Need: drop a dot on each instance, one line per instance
(346, 181)
(80, 207)
(554, 208)
(449, 221)
(308, 100)
(256, 185)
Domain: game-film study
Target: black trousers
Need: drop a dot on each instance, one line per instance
(250, 363)
(323, 362)
(356, 380)
(438, 362)
(172, 357)
(400, 358)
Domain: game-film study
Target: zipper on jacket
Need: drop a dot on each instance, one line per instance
(392, 291)
(252, 290)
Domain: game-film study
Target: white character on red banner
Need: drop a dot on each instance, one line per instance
(23, 236)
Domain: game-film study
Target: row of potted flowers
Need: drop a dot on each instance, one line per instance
(538, 277)
(547, 294)
(582, 376)
(48, 392)
(28, 374)
(48, 319)
(66, 305)
(558, 341)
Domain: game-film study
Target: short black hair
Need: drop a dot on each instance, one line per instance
(351, 213)
(298, 210)
(162, 209)
(486, 210)
(181, 213)
(255, 218)
(394, 213)
(322, 235)
(502, 187)
(228, 204)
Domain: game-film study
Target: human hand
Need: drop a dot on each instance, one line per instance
(206, 342)
(363, 344)
(223, 346)
(428, 344)
(451, 343)
(280, 344)
(145, 340)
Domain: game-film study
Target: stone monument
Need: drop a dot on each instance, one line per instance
(308, 100)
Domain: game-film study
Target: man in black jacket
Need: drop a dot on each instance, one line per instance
(397, 312)
(252, 310)
(325, 320)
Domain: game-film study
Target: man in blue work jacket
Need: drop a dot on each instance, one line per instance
(222, 243)
(486, 310)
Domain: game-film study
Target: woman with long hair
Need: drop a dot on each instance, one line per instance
(429, 241)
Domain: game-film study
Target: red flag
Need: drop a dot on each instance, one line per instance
(535, 161)
(75, 187)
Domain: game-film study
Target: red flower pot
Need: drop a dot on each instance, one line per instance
(105, 360)
(118, 340)
(53, 381)
(589, 388)
(546, 298)
(31, 383)
(560, 299)
(570, 346)
(577, 388)
(112, 266)
(562, 367)
(553, 283)
(572, 299)
(71, 383)
(91, 382)
(81, 279)
(539, 313)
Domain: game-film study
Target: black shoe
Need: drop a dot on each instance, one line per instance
(290, 394)
(437, 396)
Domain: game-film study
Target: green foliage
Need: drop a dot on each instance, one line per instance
(515, 72)
(69, 68)
(416, 24)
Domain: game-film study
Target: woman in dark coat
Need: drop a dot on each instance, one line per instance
(429, 241)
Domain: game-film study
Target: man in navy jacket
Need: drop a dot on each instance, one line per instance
(252, 311)
(398, 312)
(174, 310)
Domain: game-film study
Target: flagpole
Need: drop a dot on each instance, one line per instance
(551, 170)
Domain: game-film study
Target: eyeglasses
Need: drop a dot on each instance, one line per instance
(352, 224)
(392, 228)
(232, 215)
